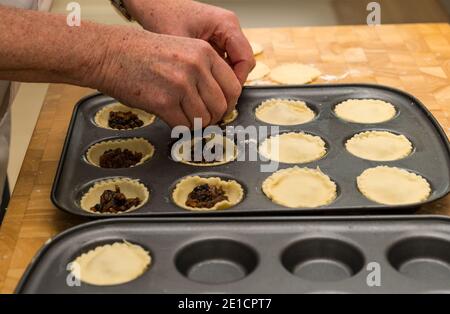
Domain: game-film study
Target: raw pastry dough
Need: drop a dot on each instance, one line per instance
(300, 187)
(293, 148)
(294, 73)
(111, 264)
(229, 155)
(284, 112)
(379, 146)
(257, 48)
(230, 117)
(102, 116)
(232, 189)
(129, 187)
(259, 71)
(393, 186)
(133, 144)
(365, 110)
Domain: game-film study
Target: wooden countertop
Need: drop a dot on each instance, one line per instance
(414, 58)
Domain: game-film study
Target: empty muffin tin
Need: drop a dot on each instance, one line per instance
(260, 255)
(430, 157)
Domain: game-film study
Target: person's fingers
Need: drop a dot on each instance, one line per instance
(194, 107)
(212, 97)
(220, 51)
(240, 54)
(175, 118)
(227, 81)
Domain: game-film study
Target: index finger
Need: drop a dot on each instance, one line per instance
(240, 54)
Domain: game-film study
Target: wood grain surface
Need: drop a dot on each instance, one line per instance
(414, 58)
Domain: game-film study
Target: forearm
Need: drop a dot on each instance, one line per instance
(162, 16)
(41, 47)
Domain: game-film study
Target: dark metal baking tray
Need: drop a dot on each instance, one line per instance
(160, 174)
(261, 255)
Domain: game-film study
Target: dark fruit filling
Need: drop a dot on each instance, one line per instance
(115, 202)
(124, 120)
(116, 158)
(212, 150)
(205, 196)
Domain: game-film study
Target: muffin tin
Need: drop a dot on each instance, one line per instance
(430, 157)
(260, 255)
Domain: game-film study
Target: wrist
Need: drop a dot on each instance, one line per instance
(136, 8)
(93, 55)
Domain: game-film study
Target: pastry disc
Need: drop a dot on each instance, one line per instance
(227, 119)
(365, 111)
(294, 74)
(257, 48)
(111, 264)
(393, 186)
(259, 71)
(293, 148)
(379, 146)
(284, 112)
(300, 187)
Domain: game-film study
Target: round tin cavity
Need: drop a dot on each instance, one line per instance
(115, 148)
(322, 259)
(216, 261)
(91, 194)
(422, 258)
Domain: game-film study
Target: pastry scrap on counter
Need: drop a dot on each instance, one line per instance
(257, 48)
(294, 74)
(259, 72)
(202, 194)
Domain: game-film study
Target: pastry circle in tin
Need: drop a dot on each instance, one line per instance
(379, 146)
(393, 186)
(136, 145)
(227, 119)
(284, 112)
(129, 187)
(208, 143)
(293, 148)
(365, 111)
(111, 264)
(101, 118)
(232, 189)
(300, 187)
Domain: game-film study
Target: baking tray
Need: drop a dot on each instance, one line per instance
(261, 255)
(430, 157)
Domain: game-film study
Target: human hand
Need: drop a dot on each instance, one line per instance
(176, 78)
(192, 19)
